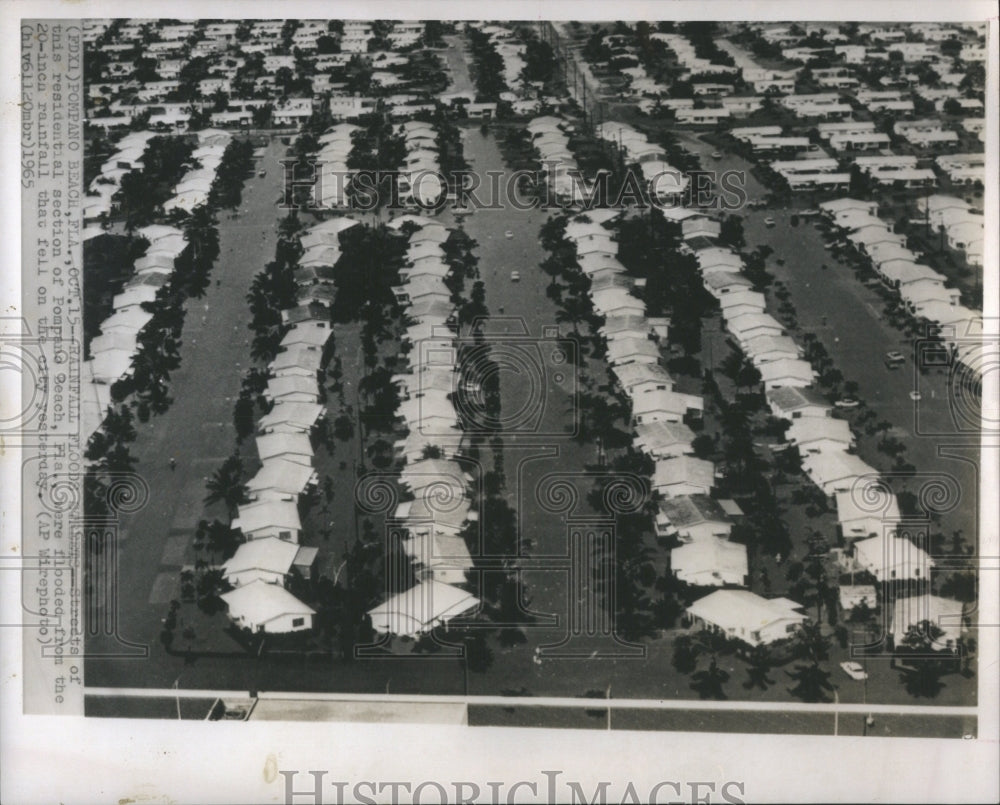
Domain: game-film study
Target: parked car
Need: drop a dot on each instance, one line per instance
(769, 222)
(262, 173)
(854, 670)
(915, 396)
(894, 359)
(509, 233)
(716, 155)
(515, 276)
(848, 403)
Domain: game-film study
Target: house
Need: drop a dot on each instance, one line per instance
(292, 388)
(665, 406)
(286, 446)
(852, 596)
(944, 613)
(820, 434)
(448, 520)
(783, 372)
(683, 475)
(873, 511)
(711, 562)
(423, 607)
(664, 439)
(751, 325)
(640, 378)
(291, 417)
(792, 403)
(747, 617)
(270, 560)
(841, 205)
(269, 518)
(622, 351)
(837, 471)
(436, 556)
(439, 474)
(890, 558)
(736, 304)
(270, 608)
(767, 348)
(692, 517)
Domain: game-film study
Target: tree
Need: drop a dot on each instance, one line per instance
(810, 642)
(812, 683)
(226, 485)
(759, 663)
(708, 683)
(921, 675)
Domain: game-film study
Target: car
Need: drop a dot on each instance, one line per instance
(809, 213)
(847, 403)
(915, 396)
(894, 355)
(509, 233)
(854, 670)
(262, 173)
(515, 276)
(769, 222)
(716, 155)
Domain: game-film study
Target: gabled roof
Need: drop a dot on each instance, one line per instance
(710, 562)
(259, 603)
(813, 428)
(743, 612)
(271, 555)
(280, 514)
(791, 399)
(689, 510)
(421, 608)
(684, 469)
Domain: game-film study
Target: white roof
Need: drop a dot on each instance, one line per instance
(741, 612)
(281, 476)
(299, 416)
(873, 501)
(289, 445)
(710, 562)
(271, 555)
(813, 428)
(280, 514)
(421, 608)
(259, 603)
(893, 557)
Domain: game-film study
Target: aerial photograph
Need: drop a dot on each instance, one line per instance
(593, 375)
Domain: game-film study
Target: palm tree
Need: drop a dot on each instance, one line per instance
(922, 675)
(201, 234)
(226, 485)
(810, 642)
(709, 683)
(812, 683)
(759, 663)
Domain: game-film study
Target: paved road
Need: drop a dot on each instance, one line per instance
(847, 318)
(197, 430)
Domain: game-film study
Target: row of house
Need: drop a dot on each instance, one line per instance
(660, 415)
(269, 521)
(439, 503)
(922, 290)
(663, 180)
(112, 352)
(824, 443)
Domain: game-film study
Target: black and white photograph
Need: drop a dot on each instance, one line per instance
(580, 382)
